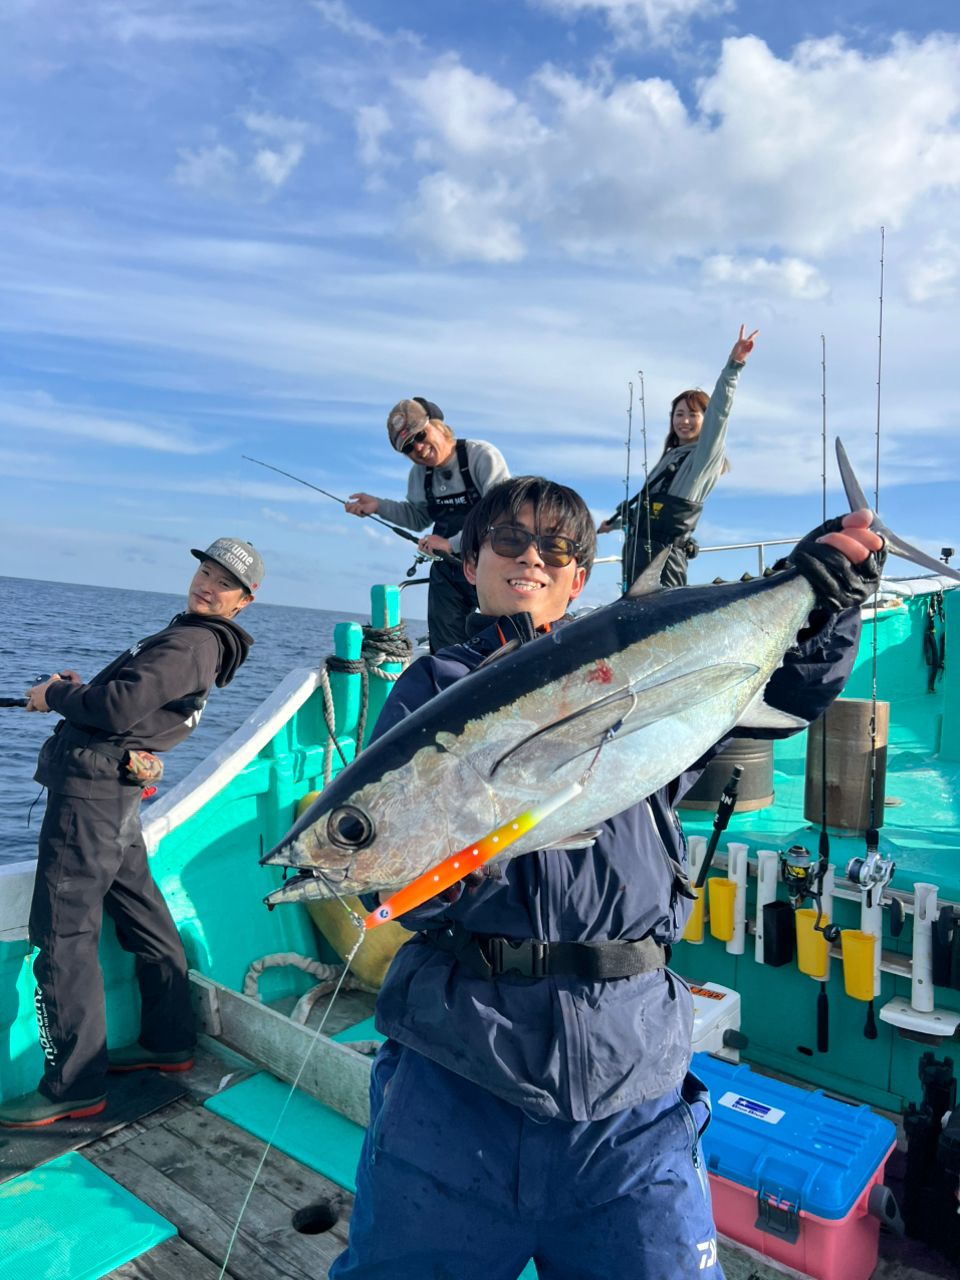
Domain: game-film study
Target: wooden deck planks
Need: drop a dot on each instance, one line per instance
(173, 1260)
(195, 1169)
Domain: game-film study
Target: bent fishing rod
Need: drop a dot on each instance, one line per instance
(401, 533)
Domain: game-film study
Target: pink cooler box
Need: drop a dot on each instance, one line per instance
(794, 1174)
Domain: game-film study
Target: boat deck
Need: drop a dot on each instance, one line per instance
(196, 1169)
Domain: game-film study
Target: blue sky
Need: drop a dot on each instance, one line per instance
(237, 227)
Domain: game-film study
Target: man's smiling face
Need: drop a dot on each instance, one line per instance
(523, 583)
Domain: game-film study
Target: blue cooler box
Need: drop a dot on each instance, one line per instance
(794, 1174)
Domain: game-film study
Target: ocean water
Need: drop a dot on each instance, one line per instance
(48, 625)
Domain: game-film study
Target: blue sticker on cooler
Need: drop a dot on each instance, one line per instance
(750, 1107)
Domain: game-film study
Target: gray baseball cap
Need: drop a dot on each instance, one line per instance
(243, 560)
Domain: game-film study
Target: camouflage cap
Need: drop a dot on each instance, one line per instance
(240, 558)
(404, 420)
(408, 417)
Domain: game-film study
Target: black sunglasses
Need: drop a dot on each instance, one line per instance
(417, 438)
(511, 540)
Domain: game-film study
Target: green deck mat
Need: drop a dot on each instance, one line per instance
(66, 1220)
(365, 1030)
(315, 1135)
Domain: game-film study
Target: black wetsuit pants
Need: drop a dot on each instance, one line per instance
(449, 604)
(91, 856)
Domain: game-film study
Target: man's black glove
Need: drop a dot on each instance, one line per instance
(838, 584)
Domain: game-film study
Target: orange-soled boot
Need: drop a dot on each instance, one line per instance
(32, 1110)
(134, 1057)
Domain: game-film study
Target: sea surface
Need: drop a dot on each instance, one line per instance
(48, 625)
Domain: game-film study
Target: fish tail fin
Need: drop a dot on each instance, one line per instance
(895, 544)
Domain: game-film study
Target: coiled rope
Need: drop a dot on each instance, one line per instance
(380, 645)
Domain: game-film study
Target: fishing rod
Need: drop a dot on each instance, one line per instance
(401, 533)
(22, 702)
(823, 866)
(625, 576)
(873, 871)
(648, 546)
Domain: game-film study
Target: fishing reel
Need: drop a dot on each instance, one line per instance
(873, 872)
(797, 873)
(801, 873)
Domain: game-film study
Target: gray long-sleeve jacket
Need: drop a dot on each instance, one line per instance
(702, 461)
(487, 467)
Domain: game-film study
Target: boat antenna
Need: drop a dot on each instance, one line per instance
(401, 533)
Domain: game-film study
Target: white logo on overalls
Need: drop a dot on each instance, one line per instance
(43, 1025)
(708, 1254)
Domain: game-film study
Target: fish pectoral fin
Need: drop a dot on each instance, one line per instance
(648, 581)
(760, 715)
(579, 840)
(665, 698)
(548, 749)
(558, 743)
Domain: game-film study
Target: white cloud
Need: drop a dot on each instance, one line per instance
(658, 20)
(212, 169)
(458, 221)
(471, 113)
(336, 13)
(795, 154)
(934, 274)
(219, 170)
(40, 412)
(372, 124)
(275, 165)
(790, 276)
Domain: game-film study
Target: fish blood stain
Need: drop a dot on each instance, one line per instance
(602, 673)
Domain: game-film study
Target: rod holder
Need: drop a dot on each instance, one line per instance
(925, 908)
(768, 875)
(738, 868)
(696, 849)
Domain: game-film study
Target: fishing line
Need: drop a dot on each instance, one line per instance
(283, 1110)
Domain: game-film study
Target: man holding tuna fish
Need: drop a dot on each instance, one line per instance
(533, 1099)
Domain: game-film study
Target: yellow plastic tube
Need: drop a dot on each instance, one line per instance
(812, 950)
(858, 957)
(722, 894)
(694, 930)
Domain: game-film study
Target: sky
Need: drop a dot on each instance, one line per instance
(235, 227)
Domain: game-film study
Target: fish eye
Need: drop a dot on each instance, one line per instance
(349, 828)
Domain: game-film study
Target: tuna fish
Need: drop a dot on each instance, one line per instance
(570, 728)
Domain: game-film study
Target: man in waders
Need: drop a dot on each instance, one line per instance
(533, 1098)
(448, 478)
(91, 851)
